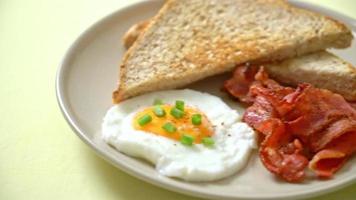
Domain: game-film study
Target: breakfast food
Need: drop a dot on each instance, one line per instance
(191, 40)
(299, 126)
(321, 69)
(132, 34)
(195, 136)
(187, 138)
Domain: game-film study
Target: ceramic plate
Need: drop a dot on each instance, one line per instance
(89, 73)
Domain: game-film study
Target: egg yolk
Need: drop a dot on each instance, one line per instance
(183, 125)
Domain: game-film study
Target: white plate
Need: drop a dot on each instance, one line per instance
(88, 75)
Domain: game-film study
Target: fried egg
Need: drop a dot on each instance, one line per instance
(186, 134)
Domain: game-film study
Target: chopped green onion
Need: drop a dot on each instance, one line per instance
(169, 127)
(180, 105)
(159, 112)
(208, 141)
(144, 120)
(196, 119)
(176, 113)
(187, 140)
(158, 102)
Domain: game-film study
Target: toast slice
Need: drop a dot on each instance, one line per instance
(189, 40)
(321, 69)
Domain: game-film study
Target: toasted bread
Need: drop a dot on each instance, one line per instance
(190, 40)
(132, 34)
(321, 69)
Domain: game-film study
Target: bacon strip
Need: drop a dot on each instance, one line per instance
(327, 161)
(299, 124)
(239, 85)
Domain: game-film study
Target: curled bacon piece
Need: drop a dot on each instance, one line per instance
(299, 125)
(239, 85)
(330, 159)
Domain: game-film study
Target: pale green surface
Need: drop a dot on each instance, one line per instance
(40, 157)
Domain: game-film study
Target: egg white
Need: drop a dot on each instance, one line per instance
(234, 140)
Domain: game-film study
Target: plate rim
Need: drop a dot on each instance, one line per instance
(63, 104)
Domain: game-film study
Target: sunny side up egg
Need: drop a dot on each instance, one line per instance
(189, 135)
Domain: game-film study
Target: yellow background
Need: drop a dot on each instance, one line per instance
(40, 156)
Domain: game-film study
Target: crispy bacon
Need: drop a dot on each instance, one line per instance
(330, 159)
(352, 104)
(239, 85)
(299, 125)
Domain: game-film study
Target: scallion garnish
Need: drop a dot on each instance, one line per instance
(196, 119)
(159, 112)
(187, 140)
(180, 105)
(169, 127)
(145, 119)
(208, 141)
(176, 113)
